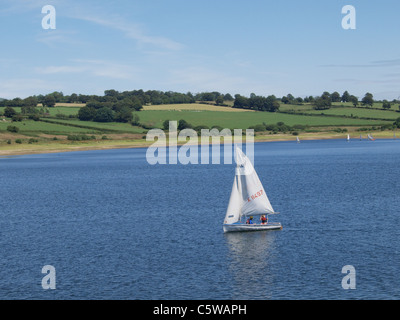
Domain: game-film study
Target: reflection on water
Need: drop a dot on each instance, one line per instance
(251, 255)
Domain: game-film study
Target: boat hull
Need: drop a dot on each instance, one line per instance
(239, 227)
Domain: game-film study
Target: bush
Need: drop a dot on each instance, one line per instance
(258, 128)
(61, 116)
(13, 129)
(17, 117)
(18, 141)
(31, 140)
(200, 127)
(135, 120)
(34, 117)
(80, 137)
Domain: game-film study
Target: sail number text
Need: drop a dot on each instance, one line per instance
(255, 196)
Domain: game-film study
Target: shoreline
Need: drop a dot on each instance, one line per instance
(59, 147)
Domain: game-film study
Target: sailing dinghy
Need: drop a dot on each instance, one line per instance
(248, 199)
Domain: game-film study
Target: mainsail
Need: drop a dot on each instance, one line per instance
(248, 196)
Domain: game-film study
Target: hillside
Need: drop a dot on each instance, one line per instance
(60, 129)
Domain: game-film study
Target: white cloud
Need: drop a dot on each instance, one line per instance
(133, 31)
(100, 68)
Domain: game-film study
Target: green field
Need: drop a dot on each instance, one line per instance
(243, 120)
(34, 128)
(360, 113)
(90, 126)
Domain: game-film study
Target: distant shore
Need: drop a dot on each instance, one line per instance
(64, 146)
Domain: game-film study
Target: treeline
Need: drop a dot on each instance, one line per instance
(118, 106)
(258, 103)
(325, 100)
(153, 97)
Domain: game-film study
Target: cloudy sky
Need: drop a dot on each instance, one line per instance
(232, 46)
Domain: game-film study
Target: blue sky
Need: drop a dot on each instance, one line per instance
(261, 46)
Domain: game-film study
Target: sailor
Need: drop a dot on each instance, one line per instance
(264, 220)
(250, 220)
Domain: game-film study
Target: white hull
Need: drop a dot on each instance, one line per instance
(251, 227)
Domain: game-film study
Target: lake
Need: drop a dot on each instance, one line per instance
(115, 227)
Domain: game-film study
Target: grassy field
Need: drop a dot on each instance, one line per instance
(243, 120)
(360, 113)
(93, 127)
(377, 107)
(34, 128)
(192, 107)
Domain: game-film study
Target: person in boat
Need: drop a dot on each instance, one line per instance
(250, 220)
(264, 219)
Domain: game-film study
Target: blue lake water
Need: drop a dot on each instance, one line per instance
(115, 227)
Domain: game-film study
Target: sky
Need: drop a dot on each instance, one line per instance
(231, 46)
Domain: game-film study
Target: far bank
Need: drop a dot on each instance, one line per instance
(133, 141)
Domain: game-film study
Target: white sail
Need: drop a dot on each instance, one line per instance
(248, 196)
(235, 203)
(298, 140)
(348, 137)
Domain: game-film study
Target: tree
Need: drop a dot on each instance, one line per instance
(271, 104)
(182, 124)
(290, 97)
(228, 97)
(49, 101)
(111, 93)
(240, 102)
(73, 98)
(353, 100)
(208, 96)
(335, 97)
(322, 103)
(30, 102)
(86, 113)
(299, 100)
(104, 115)
(124, 115)
(368, 100)
(326, 95)
(9, 112)
(397, 122)
(285, 100)
(58, 96)
(346, 97)
(135, 120)
(137, 106)
(219, 101)
(386, 105)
